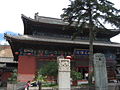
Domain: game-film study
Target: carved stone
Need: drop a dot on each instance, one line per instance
(63, 74)
(64, 64)
(100, 72)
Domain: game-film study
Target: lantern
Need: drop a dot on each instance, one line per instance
(69, 57)
(29, 54)
(51, 55)
(16, 53)
(41, 54)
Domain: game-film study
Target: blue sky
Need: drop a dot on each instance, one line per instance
(3, 41)
(11, 10)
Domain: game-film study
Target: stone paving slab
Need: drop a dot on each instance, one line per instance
(111, 86)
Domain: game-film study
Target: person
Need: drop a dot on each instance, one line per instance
(33, 83)
(86, 76)
(27, 85)
(39, 85)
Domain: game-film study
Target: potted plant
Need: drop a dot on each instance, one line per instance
(75, 76)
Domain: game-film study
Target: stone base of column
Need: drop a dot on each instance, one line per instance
(64, 89)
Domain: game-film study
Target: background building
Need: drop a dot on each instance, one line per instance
(7, 64)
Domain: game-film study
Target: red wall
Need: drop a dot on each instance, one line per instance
(26, 68)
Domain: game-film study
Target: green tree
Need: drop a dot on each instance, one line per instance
(13, 78)
(50, 69)
(91, 14)
(76, 75)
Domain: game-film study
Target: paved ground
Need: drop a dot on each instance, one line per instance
(2, 88)
(112, 86)
(43, 88)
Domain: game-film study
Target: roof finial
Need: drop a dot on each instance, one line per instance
(36, 16)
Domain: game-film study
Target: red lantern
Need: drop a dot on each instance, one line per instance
(41, 54)
(29, 54)
(69, 57)
(51, 55)
(16, 53)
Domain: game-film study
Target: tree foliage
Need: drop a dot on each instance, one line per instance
(50, 69)
(82, 12)
(91, 14)
(76, 75)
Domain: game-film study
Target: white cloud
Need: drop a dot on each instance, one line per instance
(116, 2)
(116, 39)
(3, 42)
(11, 10)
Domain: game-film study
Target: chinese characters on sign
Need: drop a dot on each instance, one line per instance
(81, 52)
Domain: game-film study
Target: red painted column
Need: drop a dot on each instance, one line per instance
(26, 68)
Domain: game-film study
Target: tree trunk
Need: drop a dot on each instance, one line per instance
(90, 56)
(91, 27)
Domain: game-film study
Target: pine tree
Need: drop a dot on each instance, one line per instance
(92, 14)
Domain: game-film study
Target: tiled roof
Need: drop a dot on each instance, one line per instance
(60, 40)
(49, 20)
(56, 21)
(5, 51)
